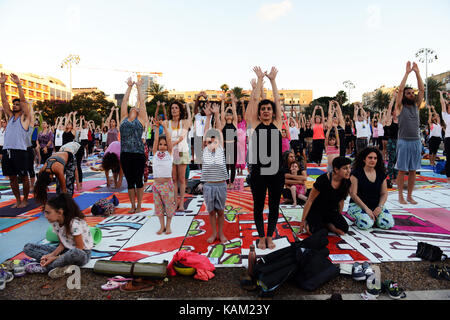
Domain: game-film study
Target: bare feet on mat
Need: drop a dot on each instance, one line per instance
(262, 244)
(222, 238)
(16, 205)
(138, 210)
(23, 204)
(168, 230)
(212, 238)
(160, 231)
(270, 243)
(402, 201)
(132, 210)
(411, 200)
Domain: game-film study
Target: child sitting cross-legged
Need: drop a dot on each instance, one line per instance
(298, 189)
(75, 238)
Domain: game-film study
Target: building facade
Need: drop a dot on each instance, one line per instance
(35, 87)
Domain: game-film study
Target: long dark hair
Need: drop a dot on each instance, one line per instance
(362, 155)
(70, 208)
(182, 110)
(41, 185)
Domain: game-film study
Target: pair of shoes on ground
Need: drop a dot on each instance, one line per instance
(55, 273)
(440, 273)
(393, 290)
(19, 266)
(360, 272)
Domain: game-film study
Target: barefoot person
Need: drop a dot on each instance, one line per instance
(132, 151)
(265, 156)
(409, 147)
(15, 155)
(445, 104)
(214, 174)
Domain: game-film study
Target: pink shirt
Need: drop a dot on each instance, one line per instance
(285, 146)
(114, 147)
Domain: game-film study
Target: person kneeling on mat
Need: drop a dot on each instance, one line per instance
(63, 166)
(326, 200)
(75, 239)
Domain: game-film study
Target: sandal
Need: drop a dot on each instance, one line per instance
(439, 273)
(136, 286)
(51, 287)
(111, 285)
(120, 279)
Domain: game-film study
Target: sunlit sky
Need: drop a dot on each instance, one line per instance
(202, 44)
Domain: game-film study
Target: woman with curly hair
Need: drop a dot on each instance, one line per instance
(368, 191)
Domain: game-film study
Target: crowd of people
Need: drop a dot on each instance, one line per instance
(223, 138)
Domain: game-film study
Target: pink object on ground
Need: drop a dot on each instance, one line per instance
(194, 260)
(438, 216)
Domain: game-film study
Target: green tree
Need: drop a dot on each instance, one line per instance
(341, 97)
(225, 87)
(380, 101)
(433, 87)
(158, 92)
(239, 93)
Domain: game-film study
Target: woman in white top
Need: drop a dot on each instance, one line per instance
(178, 126)
(435, 134)
(163, 187)
(445, 105)
(59, 133)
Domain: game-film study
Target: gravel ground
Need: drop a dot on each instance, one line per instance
(411, 276)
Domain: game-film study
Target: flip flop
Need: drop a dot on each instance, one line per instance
(120, 279)
(136, 286)
(111, 285)
(51, 287)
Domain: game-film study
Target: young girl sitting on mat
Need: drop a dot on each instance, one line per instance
(75, 239)
(214, 174)
(163, 187)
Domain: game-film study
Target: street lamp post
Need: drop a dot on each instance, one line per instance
(349, 85)
(426, 55)
(67, 62)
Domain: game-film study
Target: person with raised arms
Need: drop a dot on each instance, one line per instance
(409, 146)
(267, 174)
(132, 151)
(15, 155)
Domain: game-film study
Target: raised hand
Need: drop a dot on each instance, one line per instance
(215, 108)
(15, 79)
(408, 67)
(273, 73)
(258, 72)
(208, 109)
(130, 82)
(415, 67)
(253, 83)
(3, 78)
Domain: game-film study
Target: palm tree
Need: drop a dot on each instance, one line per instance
(341, 97)
(238, 93)
(380, 100)
(157, 91)
(225, 87)
(433, 86)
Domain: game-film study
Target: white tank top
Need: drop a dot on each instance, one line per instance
(162, 165)
(2, 136)
(436, 130)
(176, 134)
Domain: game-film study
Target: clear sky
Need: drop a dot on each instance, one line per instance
(201, 44)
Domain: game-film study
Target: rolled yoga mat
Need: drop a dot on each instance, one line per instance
(96, 235)
(133, 269)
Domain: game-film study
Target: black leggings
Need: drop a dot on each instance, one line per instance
(447, 154)
(320, 220)
(317, 150)
(79, 155)
(433, 144)
(259, 185)
(30, 162)
(45, 156)
(133, 165)
(231, 160)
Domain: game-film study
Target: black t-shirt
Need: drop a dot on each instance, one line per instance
(328, 198)
(369, 192)
(393, 130)
(269, 151)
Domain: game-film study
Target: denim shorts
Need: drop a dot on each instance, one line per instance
(215, 195)
(409, 155)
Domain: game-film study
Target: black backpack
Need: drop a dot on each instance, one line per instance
(429, 252)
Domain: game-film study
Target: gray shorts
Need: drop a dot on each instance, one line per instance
(215, 195)
(409, 155)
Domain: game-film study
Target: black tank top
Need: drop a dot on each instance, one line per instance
(269, 151)
(393, 130)
(67, 137)
(230, 127)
